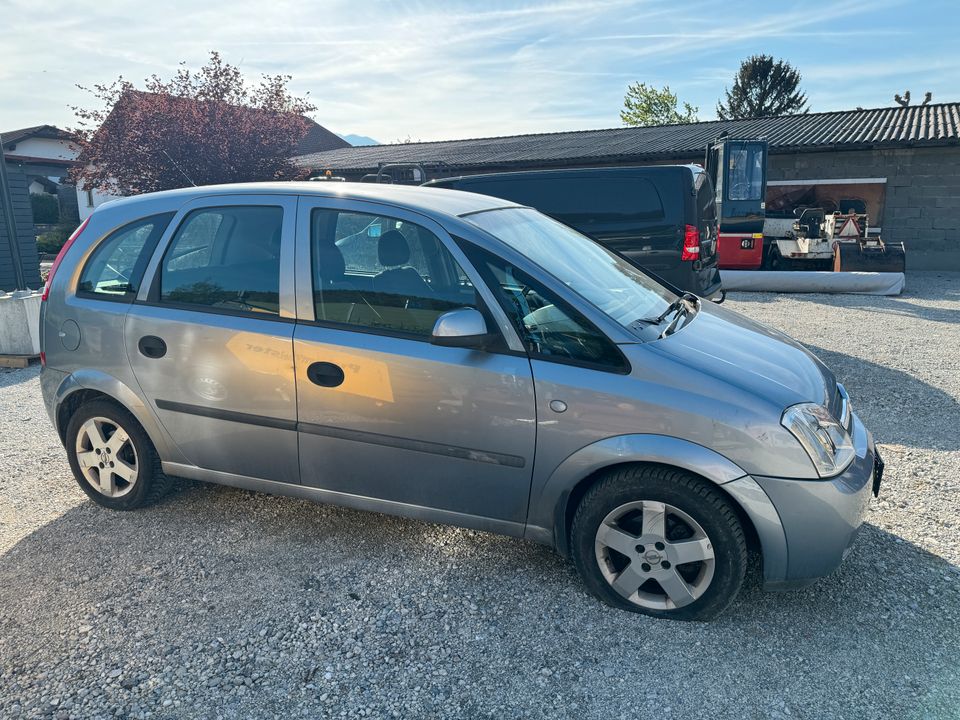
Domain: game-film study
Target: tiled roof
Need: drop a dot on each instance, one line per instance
(319, 139)
(851, 129)
(45, 131)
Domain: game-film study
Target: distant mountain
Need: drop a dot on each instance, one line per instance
(359, 139)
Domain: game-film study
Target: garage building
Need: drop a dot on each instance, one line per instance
(906, 160)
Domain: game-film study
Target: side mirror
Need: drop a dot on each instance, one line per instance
(464, 327)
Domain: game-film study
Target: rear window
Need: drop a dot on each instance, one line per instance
(582, 201)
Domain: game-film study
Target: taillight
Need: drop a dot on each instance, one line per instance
(691, 243)
(63, 251)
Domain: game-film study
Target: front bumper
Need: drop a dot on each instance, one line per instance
(806, 527)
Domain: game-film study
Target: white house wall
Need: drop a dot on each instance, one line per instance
(49, 148)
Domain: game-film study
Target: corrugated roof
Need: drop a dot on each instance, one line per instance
(850, 129)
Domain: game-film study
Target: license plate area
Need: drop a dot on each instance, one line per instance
(877, 473)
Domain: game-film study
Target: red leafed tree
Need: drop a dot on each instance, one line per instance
(199, 128)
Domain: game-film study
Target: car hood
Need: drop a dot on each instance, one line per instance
(750, 356)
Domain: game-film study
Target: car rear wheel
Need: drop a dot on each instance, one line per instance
(112, 458)
(661, 542)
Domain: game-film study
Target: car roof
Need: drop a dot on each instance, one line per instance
(412, 197)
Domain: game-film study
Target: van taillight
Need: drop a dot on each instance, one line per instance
(691, 243)
(63, 251)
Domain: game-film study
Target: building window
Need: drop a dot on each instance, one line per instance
(89, 197)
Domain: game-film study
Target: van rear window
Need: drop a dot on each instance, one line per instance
(582, 200)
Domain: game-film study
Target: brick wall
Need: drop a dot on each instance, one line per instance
(922, 207)
(27, 241)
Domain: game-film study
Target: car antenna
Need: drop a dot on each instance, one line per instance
(178, 167)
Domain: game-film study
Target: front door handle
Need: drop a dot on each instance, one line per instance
(325, 374)
(152, 347)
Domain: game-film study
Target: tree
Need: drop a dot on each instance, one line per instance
(763, 88)
(644, 105)
(199, 128)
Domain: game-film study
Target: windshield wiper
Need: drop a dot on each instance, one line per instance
(681, 303)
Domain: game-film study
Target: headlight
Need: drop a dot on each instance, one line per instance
(822, 436)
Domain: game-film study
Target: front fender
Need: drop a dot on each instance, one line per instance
(116, 389)
(548, 500)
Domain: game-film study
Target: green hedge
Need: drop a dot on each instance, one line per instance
(46, 208)
(52, 240)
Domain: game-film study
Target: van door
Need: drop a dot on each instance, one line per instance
(622, 210)
(634, 216)
(430, 431)
(210, 339)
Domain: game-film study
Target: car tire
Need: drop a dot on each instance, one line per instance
(643, 525)
(104, 444)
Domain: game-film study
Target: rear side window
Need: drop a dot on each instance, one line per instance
(115, 269)
(582, 201)
(706, 197)
(226, 258)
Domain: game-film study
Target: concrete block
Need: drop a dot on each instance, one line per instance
(20, 323)
(951, 202)
(906, 212)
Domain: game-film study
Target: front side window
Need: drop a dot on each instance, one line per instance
(382, 273)
(550, 328)
(116, 267)
(602, 278)
(226, 258)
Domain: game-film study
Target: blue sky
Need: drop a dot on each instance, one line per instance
(443, 70)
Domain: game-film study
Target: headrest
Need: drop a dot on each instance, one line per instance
(330, 262)
(393, 249)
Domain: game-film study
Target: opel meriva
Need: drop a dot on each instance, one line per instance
(455, 358)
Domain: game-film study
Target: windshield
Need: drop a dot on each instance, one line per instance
(599, 276)
(745, 174)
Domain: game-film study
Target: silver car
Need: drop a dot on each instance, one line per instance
(454, 358)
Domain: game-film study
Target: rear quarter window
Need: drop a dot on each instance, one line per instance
(115, 269)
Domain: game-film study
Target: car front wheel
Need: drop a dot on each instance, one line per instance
(659, 541)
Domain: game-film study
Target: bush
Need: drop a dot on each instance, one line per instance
(46, 208)
(52, 240)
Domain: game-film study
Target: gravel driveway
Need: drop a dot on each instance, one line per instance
(224, 603)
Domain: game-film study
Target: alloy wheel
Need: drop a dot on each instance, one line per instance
(654, 555)
(107, 457)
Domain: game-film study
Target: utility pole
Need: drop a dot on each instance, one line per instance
(6, 205)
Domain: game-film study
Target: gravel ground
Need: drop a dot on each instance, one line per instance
(224, 603)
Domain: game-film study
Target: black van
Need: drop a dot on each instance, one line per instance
(662, 217)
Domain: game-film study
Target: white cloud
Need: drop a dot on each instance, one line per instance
(456, 69)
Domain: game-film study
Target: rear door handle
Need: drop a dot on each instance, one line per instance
(325, 374)
(152, 347)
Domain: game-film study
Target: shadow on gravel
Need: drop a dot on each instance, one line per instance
(15, 376)
(227, 585)
(887, 306)
(934, 287)
(897, 407)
